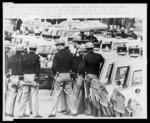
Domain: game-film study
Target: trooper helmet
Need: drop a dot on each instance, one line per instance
(20, 47)
(7, 44)
(66, 44)
(82, 48)
(77, 38)
(32, 45)
(131, 29)
(89, 45)
(60, 41)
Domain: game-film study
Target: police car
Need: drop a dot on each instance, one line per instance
(127, 99)
(46, 53)
(122, 73)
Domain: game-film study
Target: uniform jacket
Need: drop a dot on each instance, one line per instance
(15, 63)
(63, 62)
(31, 64)
(91, 63)
(93, 39)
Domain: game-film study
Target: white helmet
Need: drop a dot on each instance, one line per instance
(66, 44)
(19, 47)
(82, 48)
(89, 45)
(60, 41)
(7, 44)
(131, 29)
(32, 45)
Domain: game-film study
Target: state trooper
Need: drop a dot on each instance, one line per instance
(62, 65)
(63, 103)
(31, 67)
(91, 65)
(16, 65)
(79, 90)
(7, 70)
(77, 57)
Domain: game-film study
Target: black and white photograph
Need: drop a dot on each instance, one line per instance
(74, 61)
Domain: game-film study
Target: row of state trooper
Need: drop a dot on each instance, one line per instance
(71, 71)
(22, 68)
(25, 69)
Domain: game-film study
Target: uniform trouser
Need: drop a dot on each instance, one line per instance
(88, 102)
(78, 93)
(15, 93)
(63, 82)
(27, 90)
(63, 102)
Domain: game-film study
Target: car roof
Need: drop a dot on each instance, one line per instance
(135, 63)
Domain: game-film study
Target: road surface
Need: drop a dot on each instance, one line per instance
(45, 102)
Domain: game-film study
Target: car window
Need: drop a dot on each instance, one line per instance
(121, 74)
(118, 45)
(106, 46)
(137, 77)
(109, 70)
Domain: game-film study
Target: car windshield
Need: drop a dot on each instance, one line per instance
(44, 49)
(137, 77)
(106, 46)
(121, 74)
(118, 45)
(109, 72)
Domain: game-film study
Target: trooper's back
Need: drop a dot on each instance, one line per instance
(63, 61)
(31, 62)
(16, 61)
(92, 62)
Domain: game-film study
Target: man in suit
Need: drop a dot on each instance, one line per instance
(91, 37)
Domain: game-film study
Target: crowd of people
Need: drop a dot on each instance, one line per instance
(73, 72)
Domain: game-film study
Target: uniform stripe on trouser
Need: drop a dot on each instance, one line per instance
(63, 82)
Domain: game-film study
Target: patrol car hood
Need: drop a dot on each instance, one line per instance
(128, 94)
(110, 89)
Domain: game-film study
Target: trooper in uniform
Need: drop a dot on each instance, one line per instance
(31, 67)
(62, 65)
(7, 69)
(91, 37)
(91, 64)
(79, 91)
(16, 65)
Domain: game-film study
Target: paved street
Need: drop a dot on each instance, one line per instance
(45, 102)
